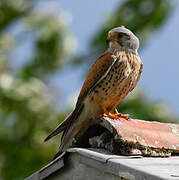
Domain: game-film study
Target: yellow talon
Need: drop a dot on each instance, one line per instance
(116, 115)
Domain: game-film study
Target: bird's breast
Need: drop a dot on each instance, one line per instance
(119, 81)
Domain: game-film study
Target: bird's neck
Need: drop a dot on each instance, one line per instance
(118, 50)
(115, 48)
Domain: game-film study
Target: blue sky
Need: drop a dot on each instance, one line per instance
(160, 56)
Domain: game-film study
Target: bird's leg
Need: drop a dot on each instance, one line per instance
(111, 116)
(107, 114)
(116, 115)
(125, 116)
(116, 111)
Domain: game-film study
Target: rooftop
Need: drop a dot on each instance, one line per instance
(81, 163)
(112, 149)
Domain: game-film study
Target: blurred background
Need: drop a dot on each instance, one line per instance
(46, 49)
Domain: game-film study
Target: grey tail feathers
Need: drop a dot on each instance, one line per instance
(61, 127)
(73, 128)
(66, 123)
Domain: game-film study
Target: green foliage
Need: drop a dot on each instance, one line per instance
(26, 111)
(137, 105)
(10, 11)
(25, 106)
(50, 44)
(141, 16)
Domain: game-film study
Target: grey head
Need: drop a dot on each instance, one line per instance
(121, 37)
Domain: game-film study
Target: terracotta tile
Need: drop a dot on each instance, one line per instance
(148, 133)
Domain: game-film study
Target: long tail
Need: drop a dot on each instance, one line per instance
(75, 122)
(66, 123)
(61, 127)
(79, 124)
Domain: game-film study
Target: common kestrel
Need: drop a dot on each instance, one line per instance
(112, 76)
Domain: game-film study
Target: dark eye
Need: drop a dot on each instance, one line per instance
(120, 35)
(123, 35)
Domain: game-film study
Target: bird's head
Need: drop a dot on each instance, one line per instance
(122, 37)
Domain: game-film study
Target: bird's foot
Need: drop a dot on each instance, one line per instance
(112, 116)
(117, 116)
(124, 116)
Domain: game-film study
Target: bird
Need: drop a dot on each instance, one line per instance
(112, 76)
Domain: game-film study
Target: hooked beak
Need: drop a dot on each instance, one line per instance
(107, 40)
(111, 37)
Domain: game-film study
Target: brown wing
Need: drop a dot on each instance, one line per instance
(96, 71)
(140, 71)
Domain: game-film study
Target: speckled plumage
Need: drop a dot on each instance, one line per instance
(120, 80)
(112, 76)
